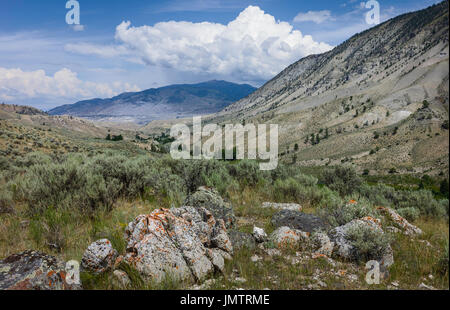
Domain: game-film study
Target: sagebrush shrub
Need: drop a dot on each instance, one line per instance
(343, 213)
(344, 180)
(368, 243)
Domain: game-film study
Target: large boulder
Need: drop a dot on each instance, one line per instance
(288, 238)
(344, 246)
(400, 222)
(282, 206)
(210, 199)
(99, 257)
(32, 270)
(183, 243)
(299, 220)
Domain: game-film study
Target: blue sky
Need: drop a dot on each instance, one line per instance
(136, 44)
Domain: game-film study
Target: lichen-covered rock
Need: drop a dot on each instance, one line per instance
(259, 234)
(299, 220)
(343, 245)
(210, 199)
(241, 240)
(322, 244)
(176, 243)
(285, 238)
(282, 206)
(400, 222)
(32, 270)
(99, 257)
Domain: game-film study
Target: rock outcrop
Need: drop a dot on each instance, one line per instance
(32, 270)
(343, 245)
(210, 199)
(288, 238)
(99, 257)
(400, 222)
(299, 220)
(183, 243)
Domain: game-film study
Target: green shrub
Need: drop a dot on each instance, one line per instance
(343, 213)
(368, 243)
(246, 172)
(410, 213)
(344, 180)
(6, 202)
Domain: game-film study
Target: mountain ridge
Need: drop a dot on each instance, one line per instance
(172, 101)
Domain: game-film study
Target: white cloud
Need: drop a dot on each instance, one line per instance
(317, 17)
(16, 84)
(78, 27)
(254, 46)
(106, 51)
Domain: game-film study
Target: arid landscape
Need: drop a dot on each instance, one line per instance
(363, 176)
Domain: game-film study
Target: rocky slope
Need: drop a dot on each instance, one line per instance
(379, 100)
(157, 103)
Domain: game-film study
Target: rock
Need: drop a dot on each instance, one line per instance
(220, 237)
(99, 257)
(299, 220)
(259, 234)
(121, 278)
(241, 239)
(217, 259)
(185, 243)
(423, 286)
(282, 206)
(393, 230)
(273, 252)
(32, 270)
(240, 280)
(343, 246)
(285, 237)
(400, 222)
(210, 199)
(322, 244)
(255, 258)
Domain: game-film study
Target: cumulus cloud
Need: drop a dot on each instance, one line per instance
(254, 46)
(16, 84)
(317, 17)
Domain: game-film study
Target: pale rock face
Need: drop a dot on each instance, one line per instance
(282, 206)
(285, 237)
(400, 222)
(99, 257)
(323, 244)
(181, 243)
(259, 234)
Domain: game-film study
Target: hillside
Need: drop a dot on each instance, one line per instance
(377, 101)
(160, 103)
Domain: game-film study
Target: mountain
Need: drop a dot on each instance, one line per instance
(377, 101)
(160, 103)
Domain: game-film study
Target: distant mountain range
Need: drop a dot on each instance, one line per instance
(168, 102)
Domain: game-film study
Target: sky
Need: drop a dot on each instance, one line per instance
(122, 46)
